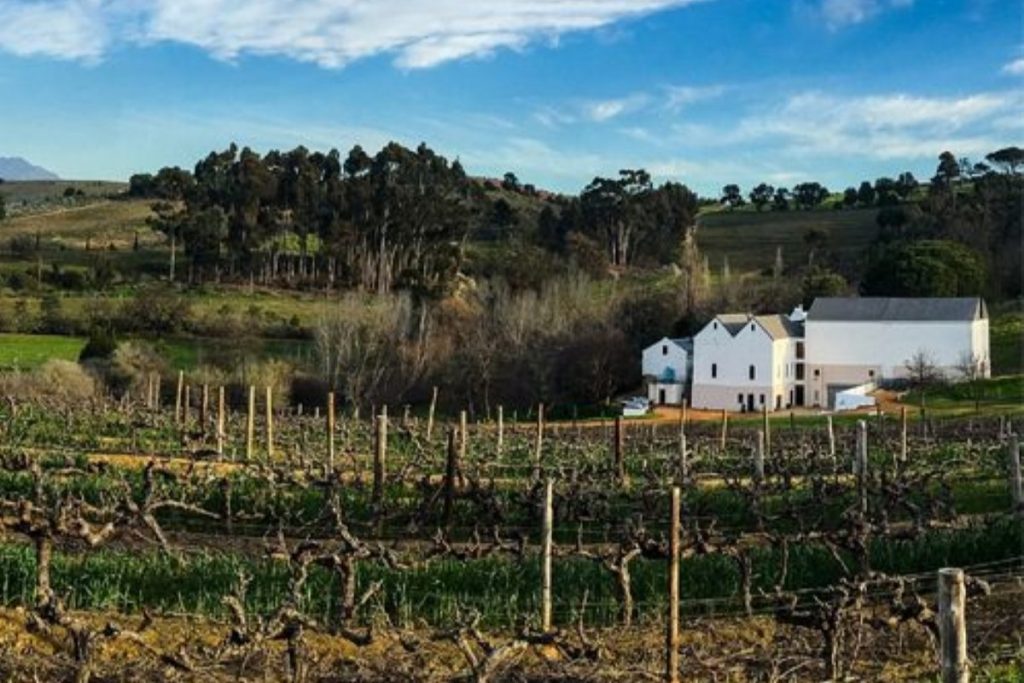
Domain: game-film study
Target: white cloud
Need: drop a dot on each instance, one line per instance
(603, 110)
(69, 29)
(1015, 68)
(679, 96)
(330, 33)
(839, 13)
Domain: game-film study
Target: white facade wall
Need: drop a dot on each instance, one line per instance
(665, 354)
(722, 368)
(664, 393)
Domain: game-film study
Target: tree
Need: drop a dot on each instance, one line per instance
(780, 202)
(503, 217)
(922, 373)
(732, 196)
(616, 208)
(866, 194)
(1007, 158)
(971, 369)
(692, 284)
(816, 240)
(850, 197)
(818, 281)
(925, 268)
(905, 184)
(510, 182)
(885, 192)
(809, 195)
(761, 195)
(3, 207)
(947, 172)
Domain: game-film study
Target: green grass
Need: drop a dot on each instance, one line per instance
(28, 351)
(1006, 342)
(749, 238)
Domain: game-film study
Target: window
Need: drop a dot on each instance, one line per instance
(817, 373)
(739, 398)
(800, 350)
(714, 326)
(714, 370)
(871, 373)
(751, 327)
(762, 399)
(799, 367)
(752, 372)
(664, 349)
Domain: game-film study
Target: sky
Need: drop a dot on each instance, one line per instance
(705, 92)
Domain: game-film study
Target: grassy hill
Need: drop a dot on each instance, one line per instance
(749, 238)
(30, 196)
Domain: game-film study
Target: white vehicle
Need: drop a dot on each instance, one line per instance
(637, 406)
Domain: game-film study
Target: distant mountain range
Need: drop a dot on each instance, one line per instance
(16, 168)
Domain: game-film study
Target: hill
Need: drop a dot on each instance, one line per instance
(38, 196)
(749, 238)
(16, 168)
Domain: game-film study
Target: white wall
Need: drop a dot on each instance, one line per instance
(733, 357)
(664, 354)
(888, 345)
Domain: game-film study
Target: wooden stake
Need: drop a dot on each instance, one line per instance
(618, 462)
(330, 430)
(177, 397)
(953, 626)
(759, 458)
(903, 434)
(672, 637)
(270, 423)
(725, 429)
(221, 407)
(861, 464)
(766, 428)
(501, 430)
(1016, 486)
(250, 423)
(684, 465)
(451, 471)
(539, 444)
(547, 531)
(430, 413)
(380, 453)
(204, 408)
(831, 438)
(463, 435)
(186, 404)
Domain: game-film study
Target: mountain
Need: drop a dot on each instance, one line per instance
(16, 168)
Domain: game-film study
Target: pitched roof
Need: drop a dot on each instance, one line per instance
(892, 308)
(777, 326)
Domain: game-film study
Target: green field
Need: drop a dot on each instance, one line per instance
(749, 238)
(28, 351)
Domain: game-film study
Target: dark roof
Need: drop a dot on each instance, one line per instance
(685, 343)
(891, 308)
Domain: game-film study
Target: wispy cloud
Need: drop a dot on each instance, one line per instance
(839, 13)
(603, 110)
(677, 97)
(1015, 68)
(330, 33)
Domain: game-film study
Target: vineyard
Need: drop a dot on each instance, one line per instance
(193, 535)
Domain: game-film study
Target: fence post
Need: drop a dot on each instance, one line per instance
(330, 430)
(861, 464)
(759, 458)
(953, 626)
(546, 540)
(430, 413)
(380, 453)
(684, 465)
(270, 424)
(672, 640)
(766, 428)
(204, 409)
(451, 471)
(177, 397)
(501, 430)
(540, 440)
(903, 434)
(463, 435)
(831, 438)
(250, 423)
(149, 391)
(1016, 486)
(221, 407)
(185, 406)
(725, 430)
(618, 437)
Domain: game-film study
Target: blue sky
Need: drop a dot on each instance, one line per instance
(704, 92)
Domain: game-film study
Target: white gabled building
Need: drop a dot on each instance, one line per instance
(853, 341)
(745, 362)
(666, 370)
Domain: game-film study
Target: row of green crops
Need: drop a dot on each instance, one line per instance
(503, 590)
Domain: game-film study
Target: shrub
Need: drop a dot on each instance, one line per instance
(101, 345)
(61, 381)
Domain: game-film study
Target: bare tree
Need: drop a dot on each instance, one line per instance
(971, 369)
(922, 373)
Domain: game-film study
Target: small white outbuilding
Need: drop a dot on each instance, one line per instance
(666, 370)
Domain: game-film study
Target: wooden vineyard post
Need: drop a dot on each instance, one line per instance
(684, 465)
(149, 391)
(270, 423)
(903, 434)
(380, 453)
(953, 626)
(177, 397)
(1016, 485)
(861, 464)
(792, 420)
(156, 393)
(430, 413)
(539, 444)
(450, 472)
(618, 439)
(725, 430)
(672, 639)
(204, 408)
(501, 430)
(546, 538)
(759, 458)
(186, 402)
(250, 423)
(766, 428)
(330, 430)
(831, 438)
(463, 435)
(220, 420)
(682, 414)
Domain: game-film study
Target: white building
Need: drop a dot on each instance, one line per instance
(745, 362)
(666, 370)
(853, 341)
